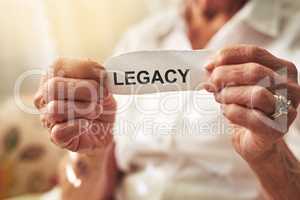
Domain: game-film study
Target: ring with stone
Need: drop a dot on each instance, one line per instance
(282, 105)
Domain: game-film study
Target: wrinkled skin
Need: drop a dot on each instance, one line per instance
(76, 106)
(243, 79)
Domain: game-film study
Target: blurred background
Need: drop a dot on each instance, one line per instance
(32, 34)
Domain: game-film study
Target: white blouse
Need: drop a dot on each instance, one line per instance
(176, 146)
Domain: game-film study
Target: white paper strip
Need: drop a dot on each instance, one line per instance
(145, 72)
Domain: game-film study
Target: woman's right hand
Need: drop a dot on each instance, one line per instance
(76, 105)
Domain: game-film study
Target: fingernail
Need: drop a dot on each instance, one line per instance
(217, 96)
(209, 65)
(209, 87)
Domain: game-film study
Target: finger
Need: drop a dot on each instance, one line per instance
(62, 111)
(247, 54)
(71, 68)
(248, 96)
(259, 124)
(82, 135)
(59, 88)
(252, 74)
(38, 99)
(62, 134)
(243, 74)
(78, 69)
(102, 136)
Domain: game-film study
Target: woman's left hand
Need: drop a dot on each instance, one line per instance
(244, 80)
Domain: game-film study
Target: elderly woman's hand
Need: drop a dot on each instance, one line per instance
(244, 80)
(76, 105)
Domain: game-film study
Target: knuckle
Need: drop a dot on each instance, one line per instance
(255, 52)
(54, 113)
(57, 135)
(255, 69)
(292, 68)
(260, 93)
(217, 76)
(263, 98)
(52, 106)
(230, 111)
(37, 100)
(256, 72)
(222, 56)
